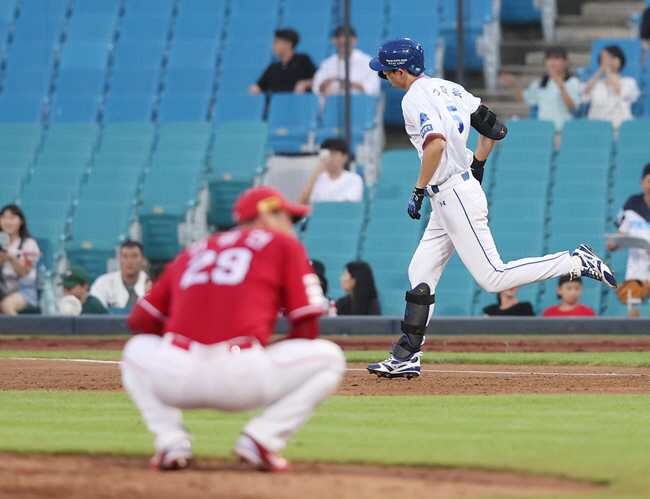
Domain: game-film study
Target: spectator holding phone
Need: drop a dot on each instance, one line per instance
(19, 254)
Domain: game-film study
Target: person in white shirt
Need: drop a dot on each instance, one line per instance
(611, 95)
(330, 181)
(438, 115)
(122, 288)
(634, 220)
(329, 78)
(556, 94)
(19, 254)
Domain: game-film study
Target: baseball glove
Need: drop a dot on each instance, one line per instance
(635, 289)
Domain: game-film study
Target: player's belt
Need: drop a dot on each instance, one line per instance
(450, 182)
(235, 345)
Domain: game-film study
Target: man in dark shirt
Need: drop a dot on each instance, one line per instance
(76, 282)
(292, 73)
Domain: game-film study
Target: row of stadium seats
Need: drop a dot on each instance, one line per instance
(122, 60)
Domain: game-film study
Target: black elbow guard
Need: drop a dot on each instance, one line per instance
(487, 124)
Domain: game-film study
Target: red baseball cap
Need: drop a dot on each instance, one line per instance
(257, 200)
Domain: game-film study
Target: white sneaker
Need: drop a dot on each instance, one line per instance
(397, 368)
(250, 451)
(174, 457)
(587, 264)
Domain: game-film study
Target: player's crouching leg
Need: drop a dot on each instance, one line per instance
(303, 373)
(173, 441)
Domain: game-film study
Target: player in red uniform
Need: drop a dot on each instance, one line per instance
(209, 318)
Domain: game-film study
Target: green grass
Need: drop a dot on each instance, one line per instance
(626, 359)
(602, 439)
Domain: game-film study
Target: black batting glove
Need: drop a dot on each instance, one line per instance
(477, 169)
(415, 202)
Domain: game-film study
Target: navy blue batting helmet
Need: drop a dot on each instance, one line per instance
(399, 53)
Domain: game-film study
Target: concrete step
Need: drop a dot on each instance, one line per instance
(578, 20)
(620, 10)
(576, 59)
(515, 51)
(565, 34)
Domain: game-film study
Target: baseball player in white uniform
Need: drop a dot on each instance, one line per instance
(437, 116)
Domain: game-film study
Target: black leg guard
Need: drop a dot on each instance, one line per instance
(414, 324)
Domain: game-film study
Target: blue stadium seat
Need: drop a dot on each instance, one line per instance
(74, 109)
(21, 109)
(139, 55)
(97, 7)
(362, 117)
(200, 54)
(185, 107)
(163, 10)
(238, 107)
(633, 134)
(519, 11)
(292, 117)
(85, 54)
(527, 134)
(41, 22)
(80, 82)
(128, 107)
(587, 135)
(455, 290)
(28, 82)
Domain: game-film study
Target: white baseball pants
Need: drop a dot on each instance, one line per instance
(289, 378)
(459, 222)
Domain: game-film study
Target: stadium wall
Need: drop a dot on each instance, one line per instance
(356, 326)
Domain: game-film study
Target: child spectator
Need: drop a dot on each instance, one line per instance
(507, 304)
(569, 291)
(76, 300)
(359, 284)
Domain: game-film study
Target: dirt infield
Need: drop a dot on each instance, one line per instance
(23, 476)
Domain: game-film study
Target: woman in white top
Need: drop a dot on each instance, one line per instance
(17, 262)
(611, 95)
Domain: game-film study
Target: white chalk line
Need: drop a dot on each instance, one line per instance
(460, 371)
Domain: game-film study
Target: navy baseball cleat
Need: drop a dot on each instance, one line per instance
(587, 264)
(393, 367)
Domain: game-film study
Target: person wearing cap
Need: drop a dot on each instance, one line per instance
(331, 180)
(292, 72)
(329, 78)
(205, 329)
(569, 291)
(75, 283)
(634, 220)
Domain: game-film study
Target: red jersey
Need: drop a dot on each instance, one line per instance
(578, 311)
(232, 284)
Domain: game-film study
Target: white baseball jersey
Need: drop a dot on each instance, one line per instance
(433, 107)
(634, 220)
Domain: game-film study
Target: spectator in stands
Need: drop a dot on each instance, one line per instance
(556, 94)
(359, 284)
(329, 306)
(330, 76)
(292, 73)
(19, 254)
(507, 304)
(645, 34)
(76, 300)
(634, 220)
(569, 291)
(331, 180)
(611, 95)
(154, 271)
(122, 288)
